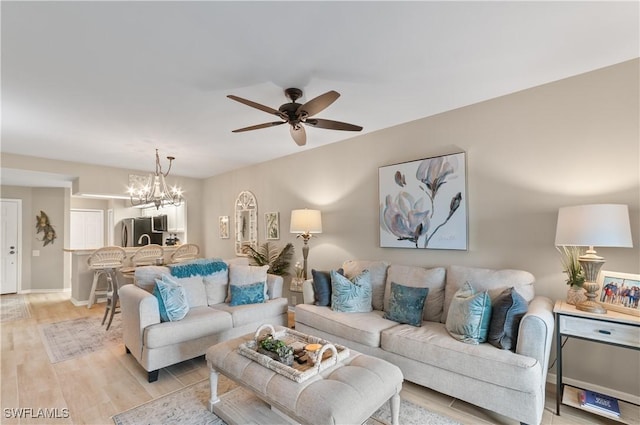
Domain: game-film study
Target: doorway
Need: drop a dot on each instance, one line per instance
(10, 237)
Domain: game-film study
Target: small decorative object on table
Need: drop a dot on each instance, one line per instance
(276, 349)
(575, 275)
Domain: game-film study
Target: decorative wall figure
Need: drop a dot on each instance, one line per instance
(44, 225)
(423, 203)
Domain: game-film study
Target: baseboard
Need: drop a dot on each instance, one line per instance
(86, 302)
(631, 398)
(43, 291)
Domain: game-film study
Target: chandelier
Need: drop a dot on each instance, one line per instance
(155, 190)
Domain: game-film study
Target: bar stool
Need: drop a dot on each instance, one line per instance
(188, 251)
(104, 261)
(148, 255)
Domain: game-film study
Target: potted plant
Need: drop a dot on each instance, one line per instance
(575, 274)
(276, 349)
(269, 254)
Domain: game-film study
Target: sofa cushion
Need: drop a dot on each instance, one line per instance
(247, 294)
(172, 299)
(145, 276)
(469, 315)
(199, 322)
(216, 286)
(247, 275)
(378, 270)
(507, 311)
(363, 328)
(322, 286)
(431, 344)
(194, 289)
(255, 313)
(406, 304)
(351, 295)
(420, 277)
(494, 281)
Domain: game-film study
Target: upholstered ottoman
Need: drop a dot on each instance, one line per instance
(347, 393)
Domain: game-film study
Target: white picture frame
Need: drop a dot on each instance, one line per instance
(619, 292)
(272, 226)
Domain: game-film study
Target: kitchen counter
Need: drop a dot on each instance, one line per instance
(82, 276)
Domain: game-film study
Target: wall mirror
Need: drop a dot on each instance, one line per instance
(246, 222)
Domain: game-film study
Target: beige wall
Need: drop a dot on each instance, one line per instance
(570, 142)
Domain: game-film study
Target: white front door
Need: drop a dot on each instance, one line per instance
(9, 240)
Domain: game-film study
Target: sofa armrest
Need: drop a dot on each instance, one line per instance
(274, 286)
(307, 291)
(139, 309)
(536, 332)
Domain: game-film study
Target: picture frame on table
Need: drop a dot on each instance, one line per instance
(272, 226)
(620, 292)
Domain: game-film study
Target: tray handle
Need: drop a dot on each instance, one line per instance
(261, 328)
(334, 356)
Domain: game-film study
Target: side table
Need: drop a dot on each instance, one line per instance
(613, 328)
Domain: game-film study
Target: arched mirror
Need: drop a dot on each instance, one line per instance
(246, 221)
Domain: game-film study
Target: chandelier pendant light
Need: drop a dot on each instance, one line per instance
(155, 191)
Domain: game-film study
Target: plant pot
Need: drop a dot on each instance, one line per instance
(576, 295)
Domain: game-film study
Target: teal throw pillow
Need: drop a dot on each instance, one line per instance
(247, 294)
(406, 304)
(351, 295)
(172, 299)
(469, 315)
(506, 313)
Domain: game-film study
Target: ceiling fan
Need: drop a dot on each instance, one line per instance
(296, 114)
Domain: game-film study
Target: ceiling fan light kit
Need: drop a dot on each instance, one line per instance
(296, 114)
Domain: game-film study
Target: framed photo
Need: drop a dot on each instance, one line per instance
(619, 292)
(223, 226)
(423, 203)
(272, 225)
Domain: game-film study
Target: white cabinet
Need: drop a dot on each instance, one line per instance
(86, 229)
(176, 216)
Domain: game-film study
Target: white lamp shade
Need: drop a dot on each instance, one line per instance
(306, 221)
(598, 225)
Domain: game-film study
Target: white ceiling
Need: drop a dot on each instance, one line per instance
(108, 82)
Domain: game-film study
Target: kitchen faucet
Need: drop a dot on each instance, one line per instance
(142, 237)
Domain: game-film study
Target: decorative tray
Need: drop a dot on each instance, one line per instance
(331, 354)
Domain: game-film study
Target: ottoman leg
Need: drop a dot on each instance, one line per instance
(213, 383)
(395, 409)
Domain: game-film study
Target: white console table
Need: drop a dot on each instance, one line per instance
(613, 328)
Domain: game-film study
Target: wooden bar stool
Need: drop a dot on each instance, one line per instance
(104, 261)
(185, 252)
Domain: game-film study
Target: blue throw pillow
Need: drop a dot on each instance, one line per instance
(406, 304)
(351, 296)
(469, 315)
(247, 294)
(198, 267)
(172, 299)
(322, 286)
(506, 313)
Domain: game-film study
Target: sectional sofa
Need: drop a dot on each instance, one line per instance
(211, 317)
(511, 383)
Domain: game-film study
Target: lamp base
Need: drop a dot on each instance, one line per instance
(591, 305)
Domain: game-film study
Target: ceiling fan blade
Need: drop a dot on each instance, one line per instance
(332, 125)
(256, 105)
(317, 104)
(298, 134)
(258, 126)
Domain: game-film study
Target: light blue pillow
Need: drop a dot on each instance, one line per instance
(469, 315)
(406, 304)
(351, 295)
(247, 294)
(172, 299)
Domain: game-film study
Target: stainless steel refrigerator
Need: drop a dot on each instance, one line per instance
(136, 230)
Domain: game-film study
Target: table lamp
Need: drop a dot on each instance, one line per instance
(305, 223)
(602, 225)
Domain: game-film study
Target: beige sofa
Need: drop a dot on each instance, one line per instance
(506, 382)
(157, 344)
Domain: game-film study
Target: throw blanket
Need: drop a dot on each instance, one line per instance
(199, 267)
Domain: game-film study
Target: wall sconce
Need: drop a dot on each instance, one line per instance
(603, 225)
(306, 223)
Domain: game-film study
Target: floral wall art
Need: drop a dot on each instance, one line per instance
(423, 203)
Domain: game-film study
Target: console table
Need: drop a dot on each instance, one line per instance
(621, 330)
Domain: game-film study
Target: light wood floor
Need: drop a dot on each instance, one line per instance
(96, 386)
